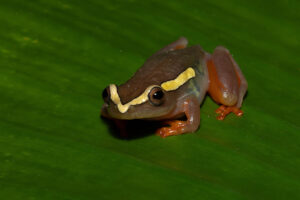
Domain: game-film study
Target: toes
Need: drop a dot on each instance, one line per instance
(176, 128)
(221, 116)
(164, 132)
(238, 112)
(224, 111)
(220, 109)
(176, 124)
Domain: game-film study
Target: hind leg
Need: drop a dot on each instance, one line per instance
(181, 43)
(227, 83)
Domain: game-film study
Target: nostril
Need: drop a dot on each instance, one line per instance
(105, 95)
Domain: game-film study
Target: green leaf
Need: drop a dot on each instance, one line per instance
(56, 57)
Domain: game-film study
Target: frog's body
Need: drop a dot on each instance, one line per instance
(173, 82)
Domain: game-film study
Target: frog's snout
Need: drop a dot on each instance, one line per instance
(106, 99)
(106, 95)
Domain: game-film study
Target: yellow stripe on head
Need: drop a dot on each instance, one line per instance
(180, 80)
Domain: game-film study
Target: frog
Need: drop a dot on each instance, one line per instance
(172, 84)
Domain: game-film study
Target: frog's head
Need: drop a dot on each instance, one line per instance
(130, 102)
(153, 102)
(154, 90)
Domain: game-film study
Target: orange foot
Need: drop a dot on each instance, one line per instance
(176, 128)
(223, 111)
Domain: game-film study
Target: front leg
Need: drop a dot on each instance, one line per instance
(191, 108)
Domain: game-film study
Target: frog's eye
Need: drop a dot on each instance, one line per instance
(106, 95)
(156, 96)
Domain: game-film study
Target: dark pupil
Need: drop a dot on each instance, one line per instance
(105, 93)
(158, 95)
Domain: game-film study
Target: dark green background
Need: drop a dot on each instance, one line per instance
(57, 56)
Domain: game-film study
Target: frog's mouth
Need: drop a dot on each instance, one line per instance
(112, 112)
(145, 111)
